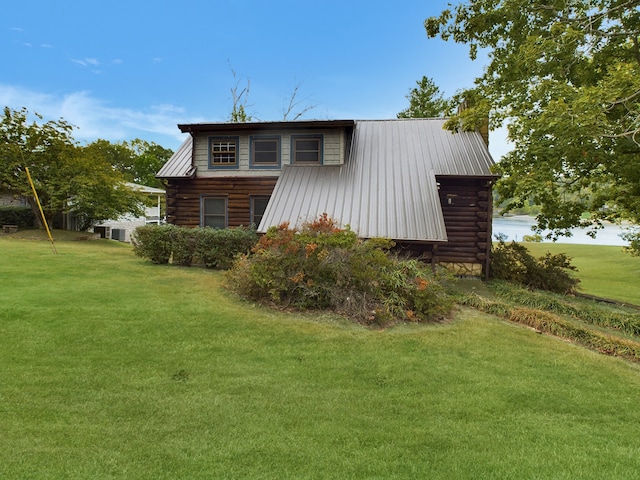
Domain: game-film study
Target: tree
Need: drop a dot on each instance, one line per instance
(67, 177)
(138, 160)
(565, 77)
(425, 101)
(239, 97)
(295, 104)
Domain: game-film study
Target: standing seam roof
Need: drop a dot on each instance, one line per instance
(179, 165)
(387, 187)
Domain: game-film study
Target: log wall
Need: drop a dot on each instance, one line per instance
(184, 197)
(467, 208)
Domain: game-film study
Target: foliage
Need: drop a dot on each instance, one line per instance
(426, 101)
(183, 245)
(153, 242)
(547, 322)
(67, 178)
(137, 160)
(321, 266)
(586, 311)
(633, 237)
(514, 263)
(215, 248)
(20, 216)
(565, 77)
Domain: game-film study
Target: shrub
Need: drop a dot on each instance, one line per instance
(217, 248)
(514, 263)
(183, 245)
(153, 242)
(20, 216)
(321, 266)
(214, 247)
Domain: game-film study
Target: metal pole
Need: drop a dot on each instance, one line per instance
(44, 220)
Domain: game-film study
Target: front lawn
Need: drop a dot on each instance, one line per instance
(604, 271)
(113, 367)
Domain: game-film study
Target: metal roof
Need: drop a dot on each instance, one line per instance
(422, 140)
(144, 189)
(179, 165)
(257, 126)
(369, 201)
(387, 187)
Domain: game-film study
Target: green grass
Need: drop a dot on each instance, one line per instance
(604, 271)
(116, 368)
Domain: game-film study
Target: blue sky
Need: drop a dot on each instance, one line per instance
(120, 70)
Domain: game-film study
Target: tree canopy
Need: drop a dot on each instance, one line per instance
(425, 101)
(565, 77)
(89, 182)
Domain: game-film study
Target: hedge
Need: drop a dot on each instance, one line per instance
(20, 216)
(215, 248)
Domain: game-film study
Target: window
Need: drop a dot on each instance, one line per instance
(265, 151)
(258, 206)
(223, 152)
(307, 150)
(214, 212)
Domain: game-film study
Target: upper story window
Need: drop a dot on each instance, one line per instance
(223, 152)
(307, 149)
(265, 151)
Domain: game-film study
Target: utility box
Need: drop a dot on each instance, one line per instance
(118, 234)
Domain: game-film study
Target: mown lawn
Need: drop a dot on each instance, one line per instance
(604, 271)
(116, 368)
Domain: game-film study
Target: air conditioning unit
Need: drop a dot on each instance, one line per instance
(118, 234)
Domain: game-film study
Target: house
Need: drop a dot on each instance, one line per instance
(408, 179)
(122, 228)
(116, 229)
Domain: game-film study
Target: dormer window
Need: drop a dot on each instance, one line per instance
(307, 149)
(223, 152)
(265, 151)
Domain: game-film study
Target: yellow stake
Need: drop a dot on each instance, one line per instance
(44, 220)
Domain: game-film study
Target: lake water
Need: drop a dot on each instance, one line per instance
(516, 227)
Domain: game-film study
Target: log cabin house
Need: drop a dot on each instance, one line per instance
(407, 179)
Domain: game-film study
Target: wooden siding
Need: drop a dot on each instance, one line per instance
(184, 197)
(334, 151)
(467, 210)
(466, 207)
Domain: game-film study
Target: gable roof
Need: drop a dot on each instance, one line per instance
(179, 165)
(387, 187)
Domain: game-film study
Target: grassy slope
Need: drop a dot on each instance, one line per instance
(116, 368)
(604, 271)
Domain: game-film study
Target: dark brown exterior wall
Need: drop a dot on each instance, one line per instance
(467, 209)
(183, 197)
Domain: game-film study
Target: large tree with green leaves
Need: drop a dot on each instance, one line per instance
(68, 178)
(565, 77)
(425, 101)
(138, 160)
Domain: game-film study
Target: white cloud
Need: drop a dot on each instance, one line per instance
(85, 62)
(94, 118)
